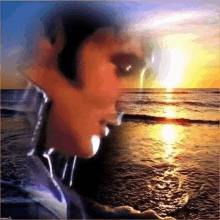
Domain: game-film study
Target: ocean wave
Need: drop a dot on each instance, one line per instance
(200, 104)
(216, 91)
(164, 91)
(157, 119)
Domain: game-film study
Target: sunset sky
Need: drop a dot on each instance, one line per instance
(186, 34)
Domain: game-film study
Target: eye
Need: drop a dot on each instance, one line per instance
(127, 64)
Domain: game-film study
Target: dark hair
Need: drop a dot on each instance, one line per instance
(77, 21)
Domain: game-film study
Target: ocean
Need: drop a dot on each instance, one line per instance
(164, 156)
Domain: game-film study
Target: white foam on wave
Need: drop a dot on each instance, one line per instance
(97, 210)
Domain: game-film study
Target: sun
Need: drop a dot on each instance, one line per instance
(173, 67)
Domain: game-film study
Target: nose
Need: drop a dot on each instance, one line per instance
(114, 119)
(116, 114)
(117, 104)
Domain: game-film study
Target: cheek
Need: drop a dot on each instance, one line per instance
(73, 121)
(70, 131)
(103, 83)
(98, 73)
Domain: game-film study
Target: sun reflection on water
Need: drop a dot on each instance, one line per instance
(157, 147)
(170, 112)
(168, 133)
(169, 136)
(159, 143)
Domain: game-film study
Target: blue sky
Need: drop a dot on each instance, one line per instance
(18, 17)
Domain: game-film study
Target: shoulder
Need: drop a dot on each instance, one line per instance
(17, 204)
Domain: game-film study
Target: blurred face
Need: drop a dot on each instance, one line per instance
(80, 116)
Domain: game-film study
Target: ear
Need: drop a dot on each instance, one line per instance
(46, 54)
(47, 49)
(44, 47)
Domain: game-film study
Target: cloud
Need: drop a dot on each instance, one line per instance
(171, 18)
(10, 57)
(13, 52)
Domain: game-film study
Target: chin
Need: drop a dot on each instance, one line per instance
(86, 149)
(90, 148)
(73, 143)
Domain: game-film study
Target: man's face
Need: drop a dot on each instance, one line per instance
(80, 116)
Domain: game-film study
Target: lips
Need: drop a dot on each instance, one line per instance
(96, 139)
(106, 131)
(119, 118)
(113, 119)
